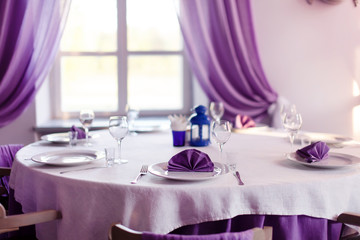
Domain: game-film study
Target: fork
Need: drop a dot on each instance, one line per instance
(143, 171)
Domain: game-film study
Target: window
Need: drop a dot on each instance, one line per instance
(118, 52)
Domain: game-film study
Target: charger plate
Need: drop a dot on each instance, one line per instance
(335, 160)
(161, 170)
(63, 137)
(68, 157)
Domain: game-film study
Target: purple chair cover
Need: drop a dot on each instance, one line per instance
(298, 227)
(191, 160)
(7, 155)
(244, 235)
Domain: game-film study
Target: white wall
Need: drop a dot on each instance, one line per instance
(310, 54)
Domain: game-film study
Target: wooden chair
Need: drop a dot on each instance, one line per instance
(350, 219)
(120, 232)
(13, 222)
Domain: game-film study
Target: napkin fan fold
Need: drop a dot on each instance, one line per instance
(191, 160)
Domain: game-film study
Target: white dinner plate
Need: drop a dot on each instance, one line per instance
(160, 169)
(328, 138)
(335, 160)
(63, 137)
(259, 127)
(68, 157)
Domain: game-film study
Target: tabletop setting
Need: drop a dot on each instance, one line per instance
(193, 157)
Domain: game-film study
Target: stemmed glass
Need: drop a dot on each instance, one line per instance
(292, 123)
(86, 118)
(216, 110)
(221, 132)
(287, 109)
(119, 128)
(132, 115)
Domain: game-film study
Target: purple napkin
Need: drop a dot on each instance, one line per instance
(81, 133)
(314, 152)
(191, 160)
(244, 121)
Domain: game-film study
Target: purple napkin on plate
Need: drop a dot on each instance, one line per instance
(244, 121)
(191, 160)
(314, 152)
(81, 133)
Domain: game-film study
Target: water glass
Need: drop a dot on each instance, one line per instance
(109, 156)
(216, 110)
(73, 135)
(231, 160)
(292, 123)
(119, 128)
(132, 114)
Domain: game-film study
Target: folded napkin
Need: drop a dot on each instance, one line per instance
(191, 160)
(314, 152)
(178, 122)
(244, 121)
(81, 133)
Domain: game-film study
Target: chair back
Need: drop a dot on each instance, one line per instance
(7, 156)
(13, 222)
(120, 232)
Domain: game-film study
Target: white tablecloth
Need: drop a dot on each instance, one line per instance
(91, 200)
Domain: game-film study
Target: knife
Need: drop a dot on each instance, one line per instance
(237, 175)
(81, 169)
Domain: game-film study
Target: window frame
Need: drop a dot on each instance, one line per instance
(122, 54)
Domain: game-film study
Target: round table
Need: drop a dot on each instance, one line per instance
(91, 200)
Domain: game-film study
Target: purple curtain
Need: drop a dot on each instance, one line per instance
(221, 48)
(30, 32)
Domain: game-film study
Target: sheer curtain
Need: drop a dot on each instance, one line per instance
(30, 32)
(221, 48)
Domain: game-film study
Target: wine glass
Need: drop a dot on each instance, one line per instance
(221, 132)
(132, 115)
(119, 128)
(216, 110)
(86, 118)
(292, 123)
(285, 109)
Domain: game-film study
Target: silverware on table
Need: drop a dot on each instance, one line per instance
(237, 175)
(81, 169)
(143, 171)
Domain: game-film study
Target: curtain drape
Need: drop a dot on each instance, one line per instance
(221, 49)
(30, 32)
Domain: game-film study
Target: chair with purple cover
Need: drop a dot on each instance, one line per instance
(7, 156)
(120, 232)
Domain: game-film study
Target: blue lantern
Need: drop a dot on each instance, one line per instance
(200, 127)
